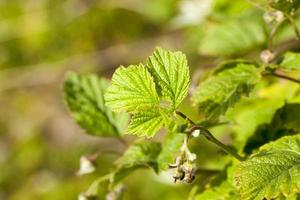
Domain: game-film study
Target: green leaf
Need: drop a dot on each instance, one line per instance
(236, 35)
(225, 87)
(171, 73)
(286, 6)
(291, 61)
(132, 89)
(146, 123)
(274, 170)
(225, 191)
(143, 154)
(83, 95)
(170, 149)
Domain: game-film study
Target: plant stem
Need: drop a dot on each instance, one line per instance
(273, 73)
(292, 22)
(185, 117)
(272, 35)
(207, 134)
(123, 142)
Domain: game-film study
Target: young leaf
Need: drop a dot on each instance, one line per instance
(225, 87)
(146, 123)
(274, 170)
(170, 149)
(132, 89)
(139, 155)
(83, 95)
(171, 72)
(291, 61)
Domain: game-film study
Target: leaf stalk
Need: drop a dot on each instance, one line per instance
(209, 136)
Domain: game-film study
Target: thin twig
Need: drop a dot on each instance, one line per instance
(207, 134)
(185, 117)
(256, 5)
(292, 22)
(272, 34)
(275, 74)
(123, 141)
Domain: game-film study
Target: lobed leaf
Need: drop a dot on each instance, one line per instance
(274, 170)
(132, 89)
(84, 96)
(146, 123)
(225, 87)
(171, 73)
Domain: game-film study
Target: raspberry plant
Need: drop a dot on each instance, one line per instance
(145, 100)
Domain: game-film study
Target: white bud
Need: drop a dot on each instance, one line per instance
(267, 56)
(196, 133)
(82, 197)
(192, 157)
(270, 17)
(86, 166)
(279, 16)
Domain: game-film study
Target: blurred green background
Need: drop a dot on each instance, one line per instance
(40, 145)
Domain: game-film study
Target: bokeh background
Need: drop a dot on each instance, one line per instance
(40, 40)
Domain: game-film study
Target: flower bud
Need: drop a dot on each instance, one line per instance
(196, 133)
(267, 56)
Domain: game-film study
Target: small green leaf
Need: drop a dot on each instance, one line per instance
(83, 95)
(291, 61)
(132, 89)
(286, 6)
(146, 123)
(225, 87)
(170, 149)
(140, 155)
(274, 170)
(171, 73)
